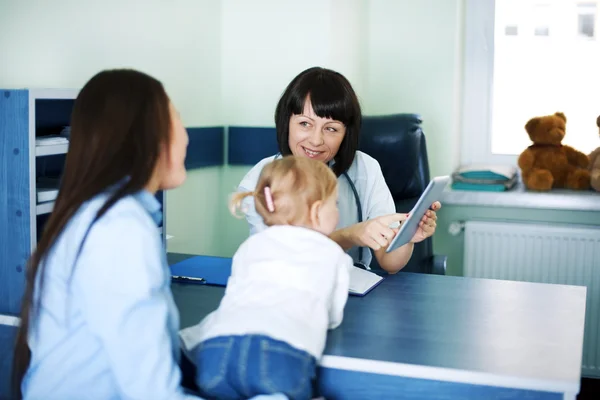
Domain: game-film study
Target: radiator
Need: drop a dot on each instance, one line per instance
(541, 253)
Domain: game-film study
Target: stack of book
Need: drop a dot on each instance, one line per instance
(54, 140)
(51, 140)
(47, 189)
(488, 178)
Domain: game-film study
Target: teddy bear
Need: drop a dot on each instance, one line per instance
(547, 163)
(595, 164)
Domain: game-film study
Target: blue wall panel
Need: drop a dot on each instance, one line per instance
(14, 198)
(249, 145)
(206, 147)
(246, 146)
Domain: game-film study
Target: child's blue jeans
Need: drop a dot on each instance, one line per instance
(240, 367)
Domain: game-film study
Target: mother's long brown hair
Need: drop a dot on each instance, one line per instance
(119, 125)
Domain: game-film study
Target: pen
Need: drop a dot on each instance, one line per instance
(188, 278)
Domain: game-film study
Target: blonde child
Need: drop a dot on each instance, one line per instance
(288, 286)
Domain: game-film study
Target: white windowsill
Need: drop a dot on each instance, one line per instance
(519, 197)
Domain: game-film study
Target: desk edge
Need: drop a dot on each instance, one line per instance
(447, 374)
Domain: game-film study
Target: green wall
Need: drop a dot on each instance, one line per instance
(198, 216)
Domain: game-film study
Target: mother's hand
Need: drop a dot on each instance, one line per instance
(376, 233)
(428, 224)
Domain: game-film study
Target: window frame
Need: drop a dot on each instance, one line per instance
(593, 12)
(478, 78)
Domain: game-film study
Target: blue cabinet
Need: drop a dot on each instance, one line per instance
(32, 152)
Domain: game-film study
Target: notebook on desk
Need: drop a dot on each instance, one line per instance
(363, 281)
(209, 270)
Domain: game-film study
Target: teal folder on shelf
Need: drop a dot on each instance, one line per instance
(478, 187)
(210, 270)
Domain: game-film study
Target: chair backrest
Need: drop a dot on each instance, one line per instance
(397, 142)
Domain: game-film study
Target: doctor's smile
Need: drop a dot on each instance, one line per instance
(311, 153)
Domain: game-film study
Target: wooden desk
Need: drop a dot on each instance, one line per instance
(422, 336)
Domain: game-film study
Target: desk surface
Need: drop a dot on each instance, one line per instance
(490, 332)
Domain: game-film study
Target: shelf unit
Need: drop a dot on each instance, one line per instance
(51, 150)
(49, 111)
(44, 208)
(24, 116)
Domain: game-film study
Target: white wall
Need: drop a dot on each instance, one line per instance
(349, 38)
(414, 55)
(263, 50)
(265, 43)
(227, 62)
(62, 43)
(400, 56)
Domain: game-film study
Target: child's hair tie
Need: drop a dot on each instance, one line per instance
(269, 199)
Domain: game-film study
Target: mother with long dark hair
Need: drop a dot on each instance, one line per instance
(98, 319)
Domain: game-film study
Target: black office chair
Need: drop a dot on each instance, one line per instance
(397, 142)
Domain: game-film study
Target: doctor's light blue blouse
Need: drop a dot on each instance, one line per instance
(109, 330)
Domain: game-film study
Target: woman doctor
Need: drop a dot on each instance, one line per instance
(319, 116)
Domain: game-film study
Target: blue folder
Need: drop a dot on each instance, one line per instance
(213, 270)
(209, 270)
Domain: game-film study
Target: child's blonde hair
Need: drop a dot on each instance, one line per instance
(294, 185)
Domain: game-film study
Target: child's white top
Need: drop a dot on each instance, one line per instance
(288, 283)
(365, 173)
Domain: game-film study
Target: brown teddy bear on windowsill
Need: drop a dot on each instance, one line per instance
(595, 164)
(547, 163)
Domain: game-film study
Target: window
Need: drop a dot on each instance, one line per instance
(511, 30)
(541, 15)
(586, 19)
(541, 67)
(542, 30)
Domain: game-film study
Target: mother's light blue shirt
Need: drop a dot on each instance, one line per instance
(109, 330)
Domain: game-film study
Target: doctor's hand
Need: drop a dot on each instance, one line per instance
(376, 233)
(428, 224)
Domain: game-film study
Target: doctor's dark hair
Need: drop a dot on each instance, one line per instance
(331, 96)
(120, 125)
(295, 184)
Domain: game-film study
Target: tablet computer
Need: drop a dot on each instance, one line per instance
(409, 227)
